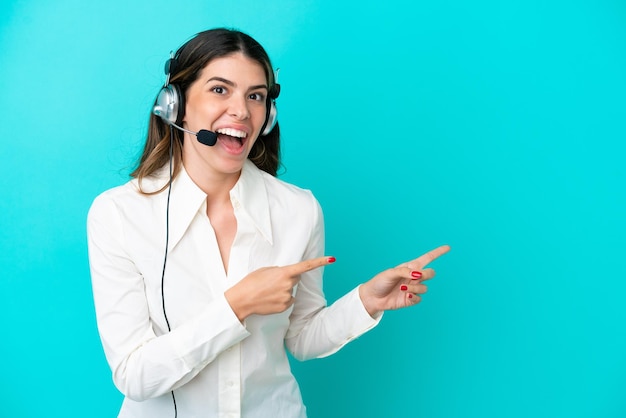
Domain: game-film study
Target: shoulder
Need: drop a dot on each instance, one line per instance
(293, 207)
(125, 199)
(107, 202)
(282, 186)
(288, 194)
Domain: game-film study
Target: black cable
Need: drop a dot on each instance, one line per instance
(167, 236)
(167, 239)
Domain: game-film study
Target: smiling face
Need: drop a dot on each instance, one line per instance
(229, 98)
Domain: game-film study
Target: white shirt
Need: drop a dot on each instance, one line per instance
(216, 366)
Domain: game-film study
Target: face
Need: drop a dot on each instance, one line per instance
(228, 98)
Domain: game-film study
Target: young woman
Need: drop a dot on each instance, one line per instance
(205, 266)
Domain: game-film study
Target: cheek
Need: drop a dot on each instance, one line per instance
(259, 115)
(258, 124)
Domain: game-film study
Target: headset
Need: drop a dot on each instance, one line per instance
(170, 106)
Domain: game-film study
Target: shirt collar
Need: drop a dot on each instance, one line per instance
(249, 194)
(186, 200)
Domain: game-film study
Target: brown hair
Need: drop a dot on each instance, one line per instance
(190, 60)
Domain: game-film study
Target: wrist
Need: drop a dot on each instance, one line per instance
(237, 304)
(368, 301)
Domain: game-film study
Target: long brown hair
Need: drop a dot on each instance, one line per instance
(189, 61)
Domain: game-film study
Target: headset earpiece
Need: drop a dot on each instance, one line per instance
(170, 103)
(271, 116)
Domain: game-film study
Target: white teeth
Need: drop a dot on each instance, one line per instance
(232, 132)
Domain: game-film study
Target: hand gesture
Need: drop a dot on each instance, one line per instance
(269, 290)
(401, 286)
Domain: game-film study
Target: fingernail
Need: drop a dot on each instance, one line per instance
(410, 295)
(403, 287)
(416, 274)
(331, 259)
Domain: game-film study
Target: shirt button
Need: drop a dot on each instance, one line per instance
(231, 383)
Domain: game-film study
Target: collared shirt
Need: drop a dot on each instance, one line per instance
(216, 365)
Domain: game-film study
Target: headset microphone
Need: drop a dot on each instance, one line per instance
(205, 137)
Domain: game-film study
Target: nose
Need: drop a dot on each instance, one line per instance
(238, 107)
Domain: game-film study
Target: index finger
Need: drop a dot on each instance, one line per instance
(308, 265)
(425, 259)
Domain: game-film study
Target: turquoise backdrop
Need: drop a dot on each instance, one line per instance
(497, 127)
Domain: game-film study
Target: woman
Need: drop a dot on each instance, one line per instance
(193, 313)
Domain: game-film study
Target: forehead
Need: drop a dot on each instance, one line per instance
(235, 67)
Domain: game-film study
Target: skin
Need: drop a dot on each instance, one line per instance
(230, 93)
(384, 291)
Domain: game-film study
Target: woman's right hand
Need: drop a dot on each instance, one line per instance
(269, 290)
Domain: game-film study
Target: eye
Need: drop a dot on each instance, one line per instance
(259, 97)
(218, 89)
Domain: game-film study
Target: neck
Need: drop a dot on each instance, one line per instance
(216, 185)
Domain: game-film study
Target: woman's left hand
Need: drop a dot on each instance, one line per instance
(401, 286)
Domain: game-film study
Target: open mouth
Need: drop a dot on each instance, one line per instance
(232, 139)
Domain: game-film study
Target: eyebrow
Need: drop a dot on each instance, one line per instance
(230, 83)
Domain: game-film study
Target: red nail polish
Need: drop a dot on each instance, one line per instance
(410, 295)
(403, 287)
(331, 259)
(416, 274)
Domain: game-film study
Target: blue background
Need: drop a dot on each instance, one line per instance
(497, 127)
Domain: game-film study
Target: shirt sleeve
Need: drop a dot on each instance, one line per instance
(317, 330)
(145, 365)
